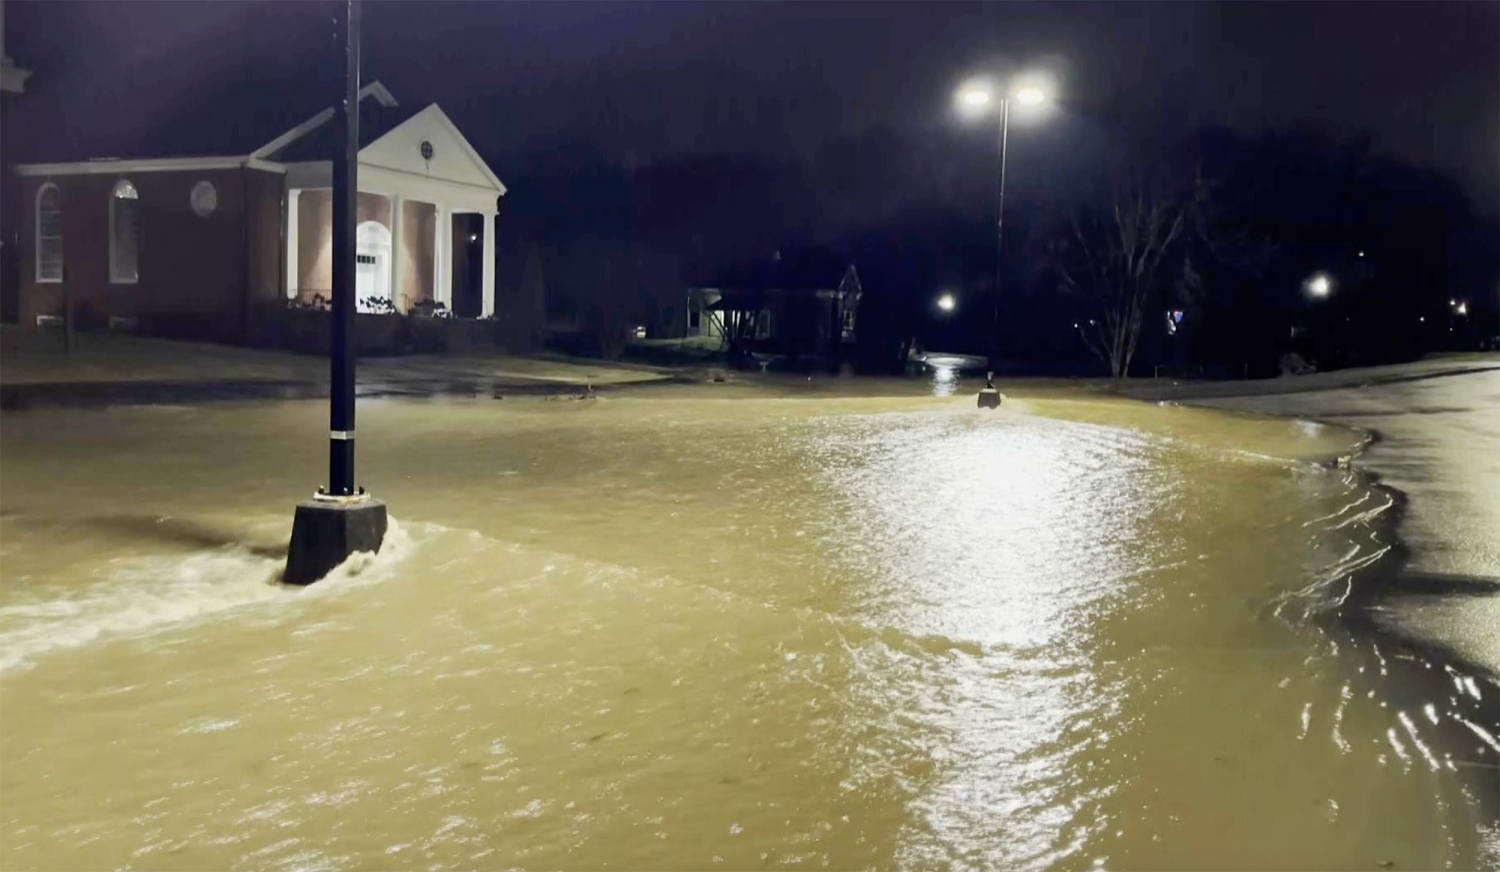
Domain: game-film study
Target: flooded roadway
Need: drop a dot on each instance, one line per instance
(672, 630)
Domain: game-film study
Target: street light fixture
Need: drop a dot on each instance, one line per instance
(974, 99)
(1319, 285)
(946, 302)
(1031, 96)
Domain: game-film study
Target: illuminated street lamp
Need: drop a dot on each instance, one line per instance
(1319, 285)
(946, 303)
(975, 98)
(1031, 96)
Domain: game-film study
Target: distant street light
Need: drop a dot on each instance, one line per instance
(946, 302)
(1319, 285)
(1457, 309)
(974, 99)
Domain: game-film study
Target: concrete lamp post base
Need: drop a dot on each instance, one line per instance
(989, 395)
(326, 530)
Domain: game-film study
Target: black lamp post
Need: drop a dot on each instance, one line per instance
(340, 519)
(345, 204)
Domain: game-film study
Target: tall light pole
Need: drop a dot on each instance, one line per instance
(978, 98)
(345, 205)
(340, 519)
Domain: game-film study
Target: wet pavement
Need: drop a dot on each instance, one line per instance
(147, 393)
(105, 369)
(1436, 440)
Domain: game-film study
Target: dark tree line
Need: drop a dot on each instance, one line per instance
(1219, 226)
(1227, 230)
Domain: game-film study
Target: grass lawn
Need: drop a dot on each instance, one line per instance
(37, 357)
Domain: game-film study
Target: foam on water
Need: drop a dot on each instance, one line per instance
(142, 595)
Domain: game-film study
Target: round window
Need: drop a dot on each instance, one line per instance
(204, 199)
(426, 150)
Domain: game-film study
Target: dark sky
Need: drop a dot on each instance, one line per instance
(645, 81)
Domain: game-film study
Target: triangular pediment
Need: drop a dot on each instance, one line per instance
(429, 144)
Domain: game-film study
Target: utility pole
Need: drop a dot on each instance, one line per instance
(340, 519)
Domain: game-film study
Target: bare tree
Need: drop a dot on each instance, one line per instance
(1118, 261)
(740, 326)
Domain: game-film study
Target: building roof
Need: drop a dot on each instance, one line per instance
(313, 140)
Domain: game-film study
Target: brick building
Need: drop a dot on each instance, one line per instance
(195, 245)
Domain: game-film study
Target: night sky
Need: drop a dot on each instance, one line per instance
(643, 82)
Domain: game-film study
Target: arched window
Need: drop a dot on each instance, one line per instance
(124, 234)
(49, 242)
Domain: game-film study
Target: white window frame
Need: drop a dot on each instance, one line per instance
(36, 214)
(114, 278)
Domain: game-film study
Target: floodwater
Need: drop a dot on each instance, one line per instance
(674, 630)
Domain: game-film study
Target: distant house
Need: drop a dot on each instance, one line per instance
(797, 306)
(195, 245)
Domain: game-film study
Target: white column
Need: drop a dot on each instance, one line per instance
(452, 251)
(439, 288)
(293, 197)
(397, 260)
(487, 269)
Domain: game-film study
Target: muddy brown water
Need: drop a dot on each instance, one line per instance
(674, 631)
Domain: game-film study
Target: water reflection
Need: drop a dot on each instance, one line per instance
(1005, 536)
(944, 380)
